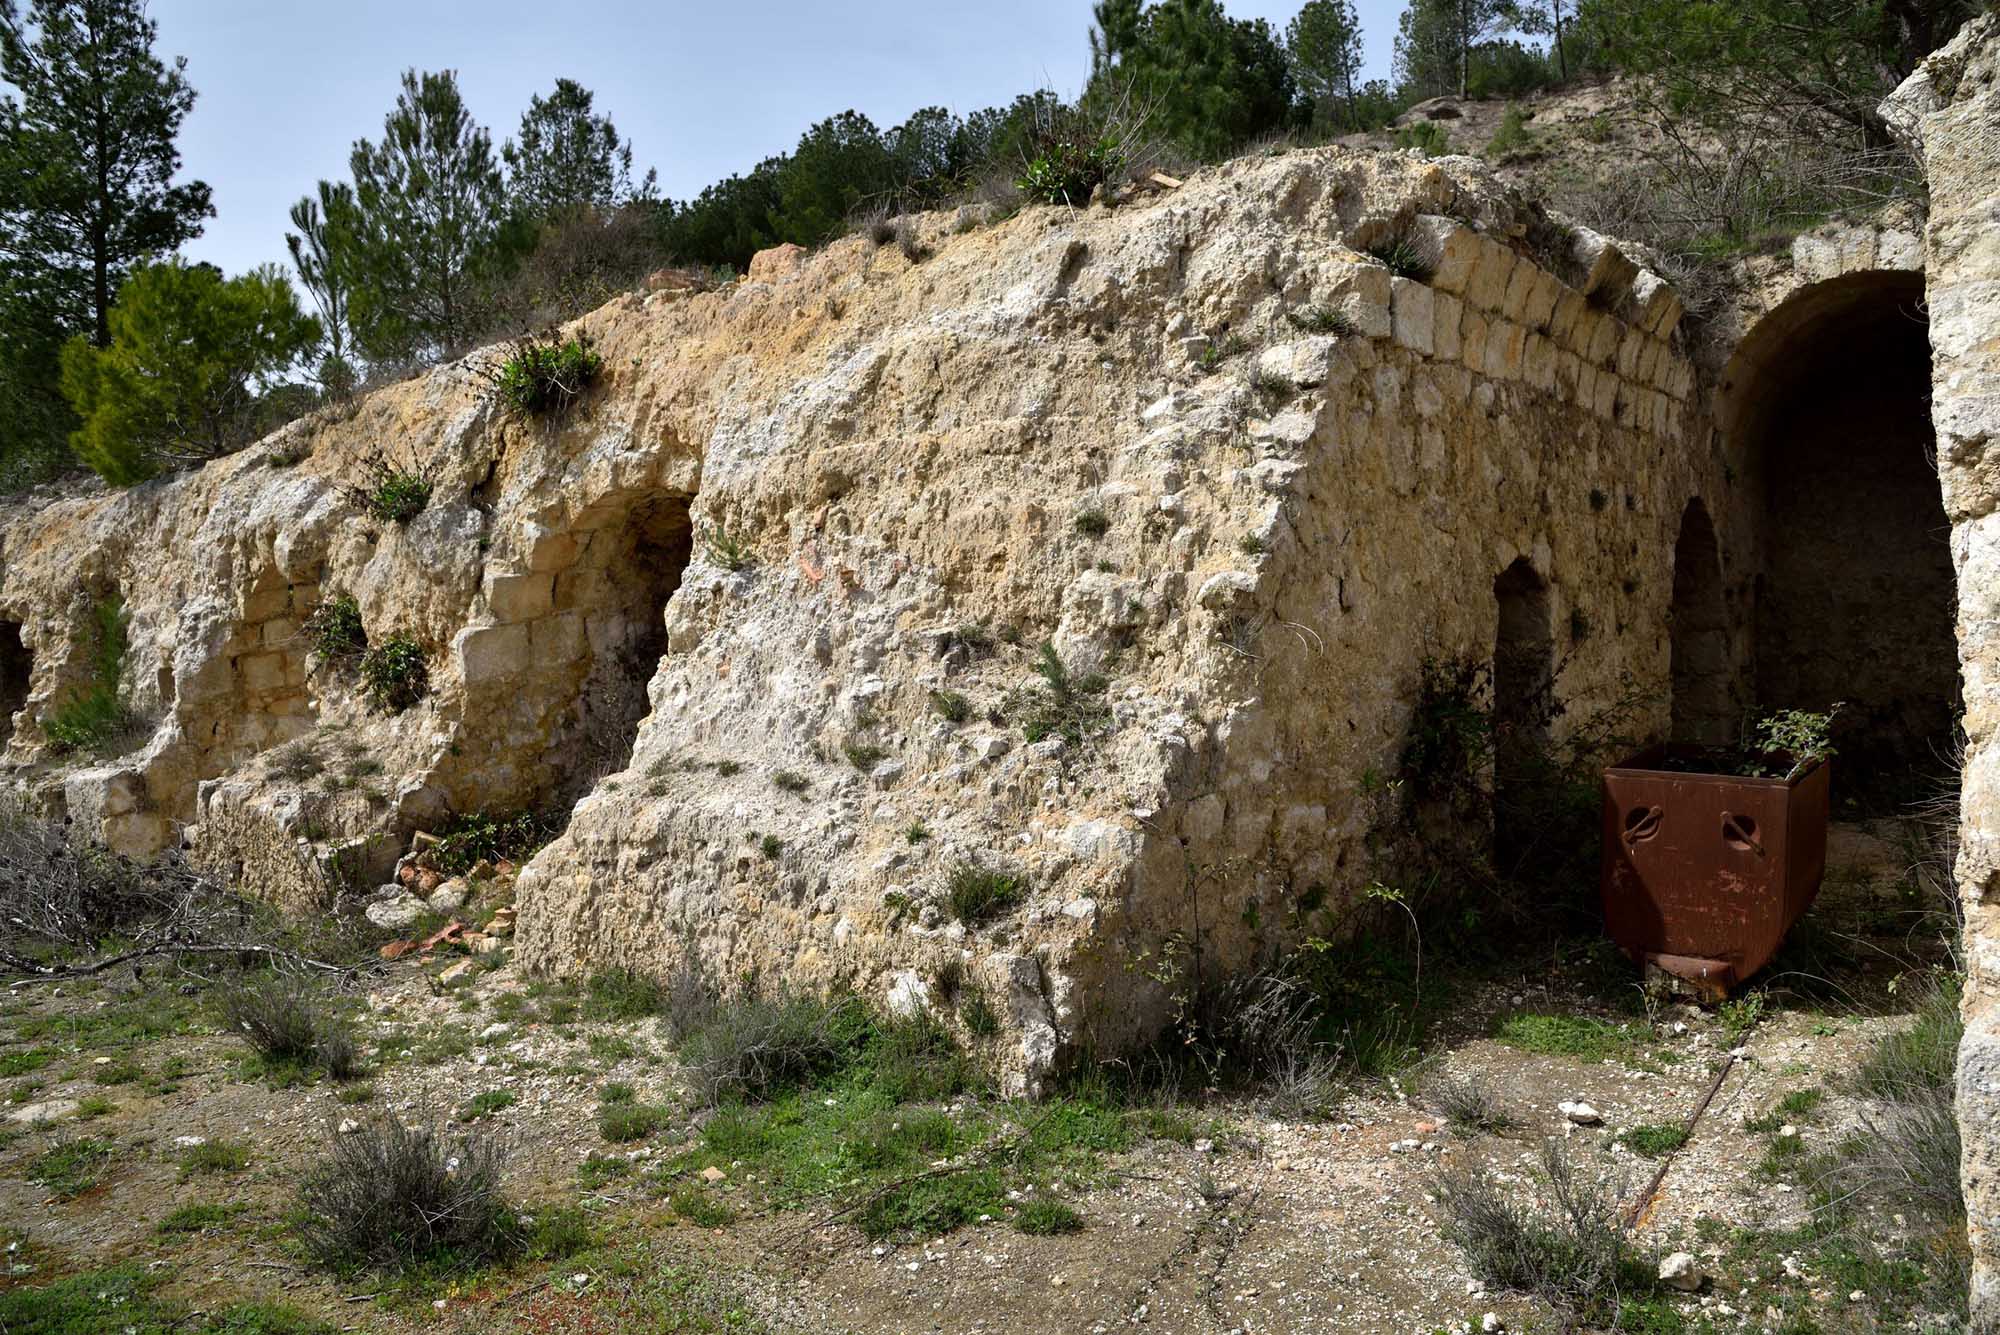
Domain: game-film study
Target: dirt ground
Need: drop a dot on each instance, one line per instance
(1259, 1224)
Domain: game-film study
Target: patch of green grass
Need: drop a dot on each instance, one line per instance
(622, 994)
(68, 1169)
(217, 1156)
(1922, 1056)
(791, 781)
(1093, 524)
(611, 1048)
(623, 1122)
(124, 1301)
(951, 706)
(598, 1171)
(201, 1218)
(94, 714)
(118, 1073)
(1801, 1102)
(617, 1092)
(25, 1060)
(1169, 1124)
(1579, 1036)
(94, 1107)
(864, 756)
(353, 1094)
(1783, 1156)
(700, 1208)
(486, 1104)
(1045, 1216)
(1655, 1139)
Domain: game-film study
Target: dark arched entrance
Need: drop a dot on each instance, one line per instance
(1856, 599)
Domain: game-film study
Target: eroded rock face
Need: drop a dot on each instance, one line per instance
(1204, 446)
(1950, 109)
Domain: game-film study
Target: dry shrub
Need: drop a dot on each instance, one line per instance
(289, 1022)
(389, 1196)
(1573, 1253)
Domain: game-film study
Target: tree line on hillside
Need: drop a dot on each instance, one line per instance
(116, 352)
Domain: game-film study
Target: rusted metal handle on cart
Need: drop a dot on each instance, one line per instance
(1740, 832)
(1641, 825)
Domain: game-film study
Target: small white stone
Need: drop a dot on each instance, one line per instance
(348, 1126)
(1680, 1271)
(1580, 1113)
(1491, 1322)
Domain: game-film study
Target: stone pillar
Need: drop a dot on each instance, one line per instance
(1949, 111)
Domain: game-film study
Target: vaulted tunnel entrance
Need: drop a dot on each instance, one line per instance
(1856, 599)
(16, 670)
(628, 571)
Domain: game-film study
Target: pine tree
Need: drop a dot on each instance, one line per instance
(428, 207)
(88, 124)
(323, 253)
(1324, 42)
(179, 382)
(567, 159)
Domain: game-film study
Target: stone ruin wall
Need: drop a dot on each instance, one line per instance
(904, 449)
(1950, 110)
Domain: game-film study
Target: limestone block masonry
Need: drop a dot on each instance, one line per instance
(1205, 444)
(1950, 110)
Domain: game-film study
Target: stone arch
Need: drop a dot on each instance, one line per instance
(17, 668)
(1523, 682)
(1827, 411)
(557, 670)
(629, 571)
(1703, 705)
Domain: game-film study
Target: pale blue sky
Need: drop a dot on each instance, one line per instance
(701, 89)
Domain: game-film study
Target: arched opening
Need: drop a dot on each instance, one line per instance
(17, 667)
(1523, 682)
(1856, 600)
(628, 572)
(1703, 708)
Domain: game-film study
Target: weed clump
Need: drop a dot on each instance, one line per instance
(951, 706)
(1468, 1103)
(977, 893)
(334, 629)
(547, 373)
(1046, 1216)
(1656, 1140)
(395, 674)
(466, 841)
(1573, 1254)
(69, 1168)
(1403, 259)
(1070, 707)
(390, 1197)
(757, 1047)
(289, 1023)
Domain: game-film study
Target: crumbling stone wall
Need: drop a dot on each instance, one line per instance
(1205, 445)
(1950, 109)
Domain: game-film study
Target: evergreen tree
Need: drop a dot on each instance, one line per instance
(428, 207)
(88, 123)
(178, 383)
(1772, 60)
(1209, 82)
(567, 159)
(1324, 42)
(1436, 41)
(323, 253)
